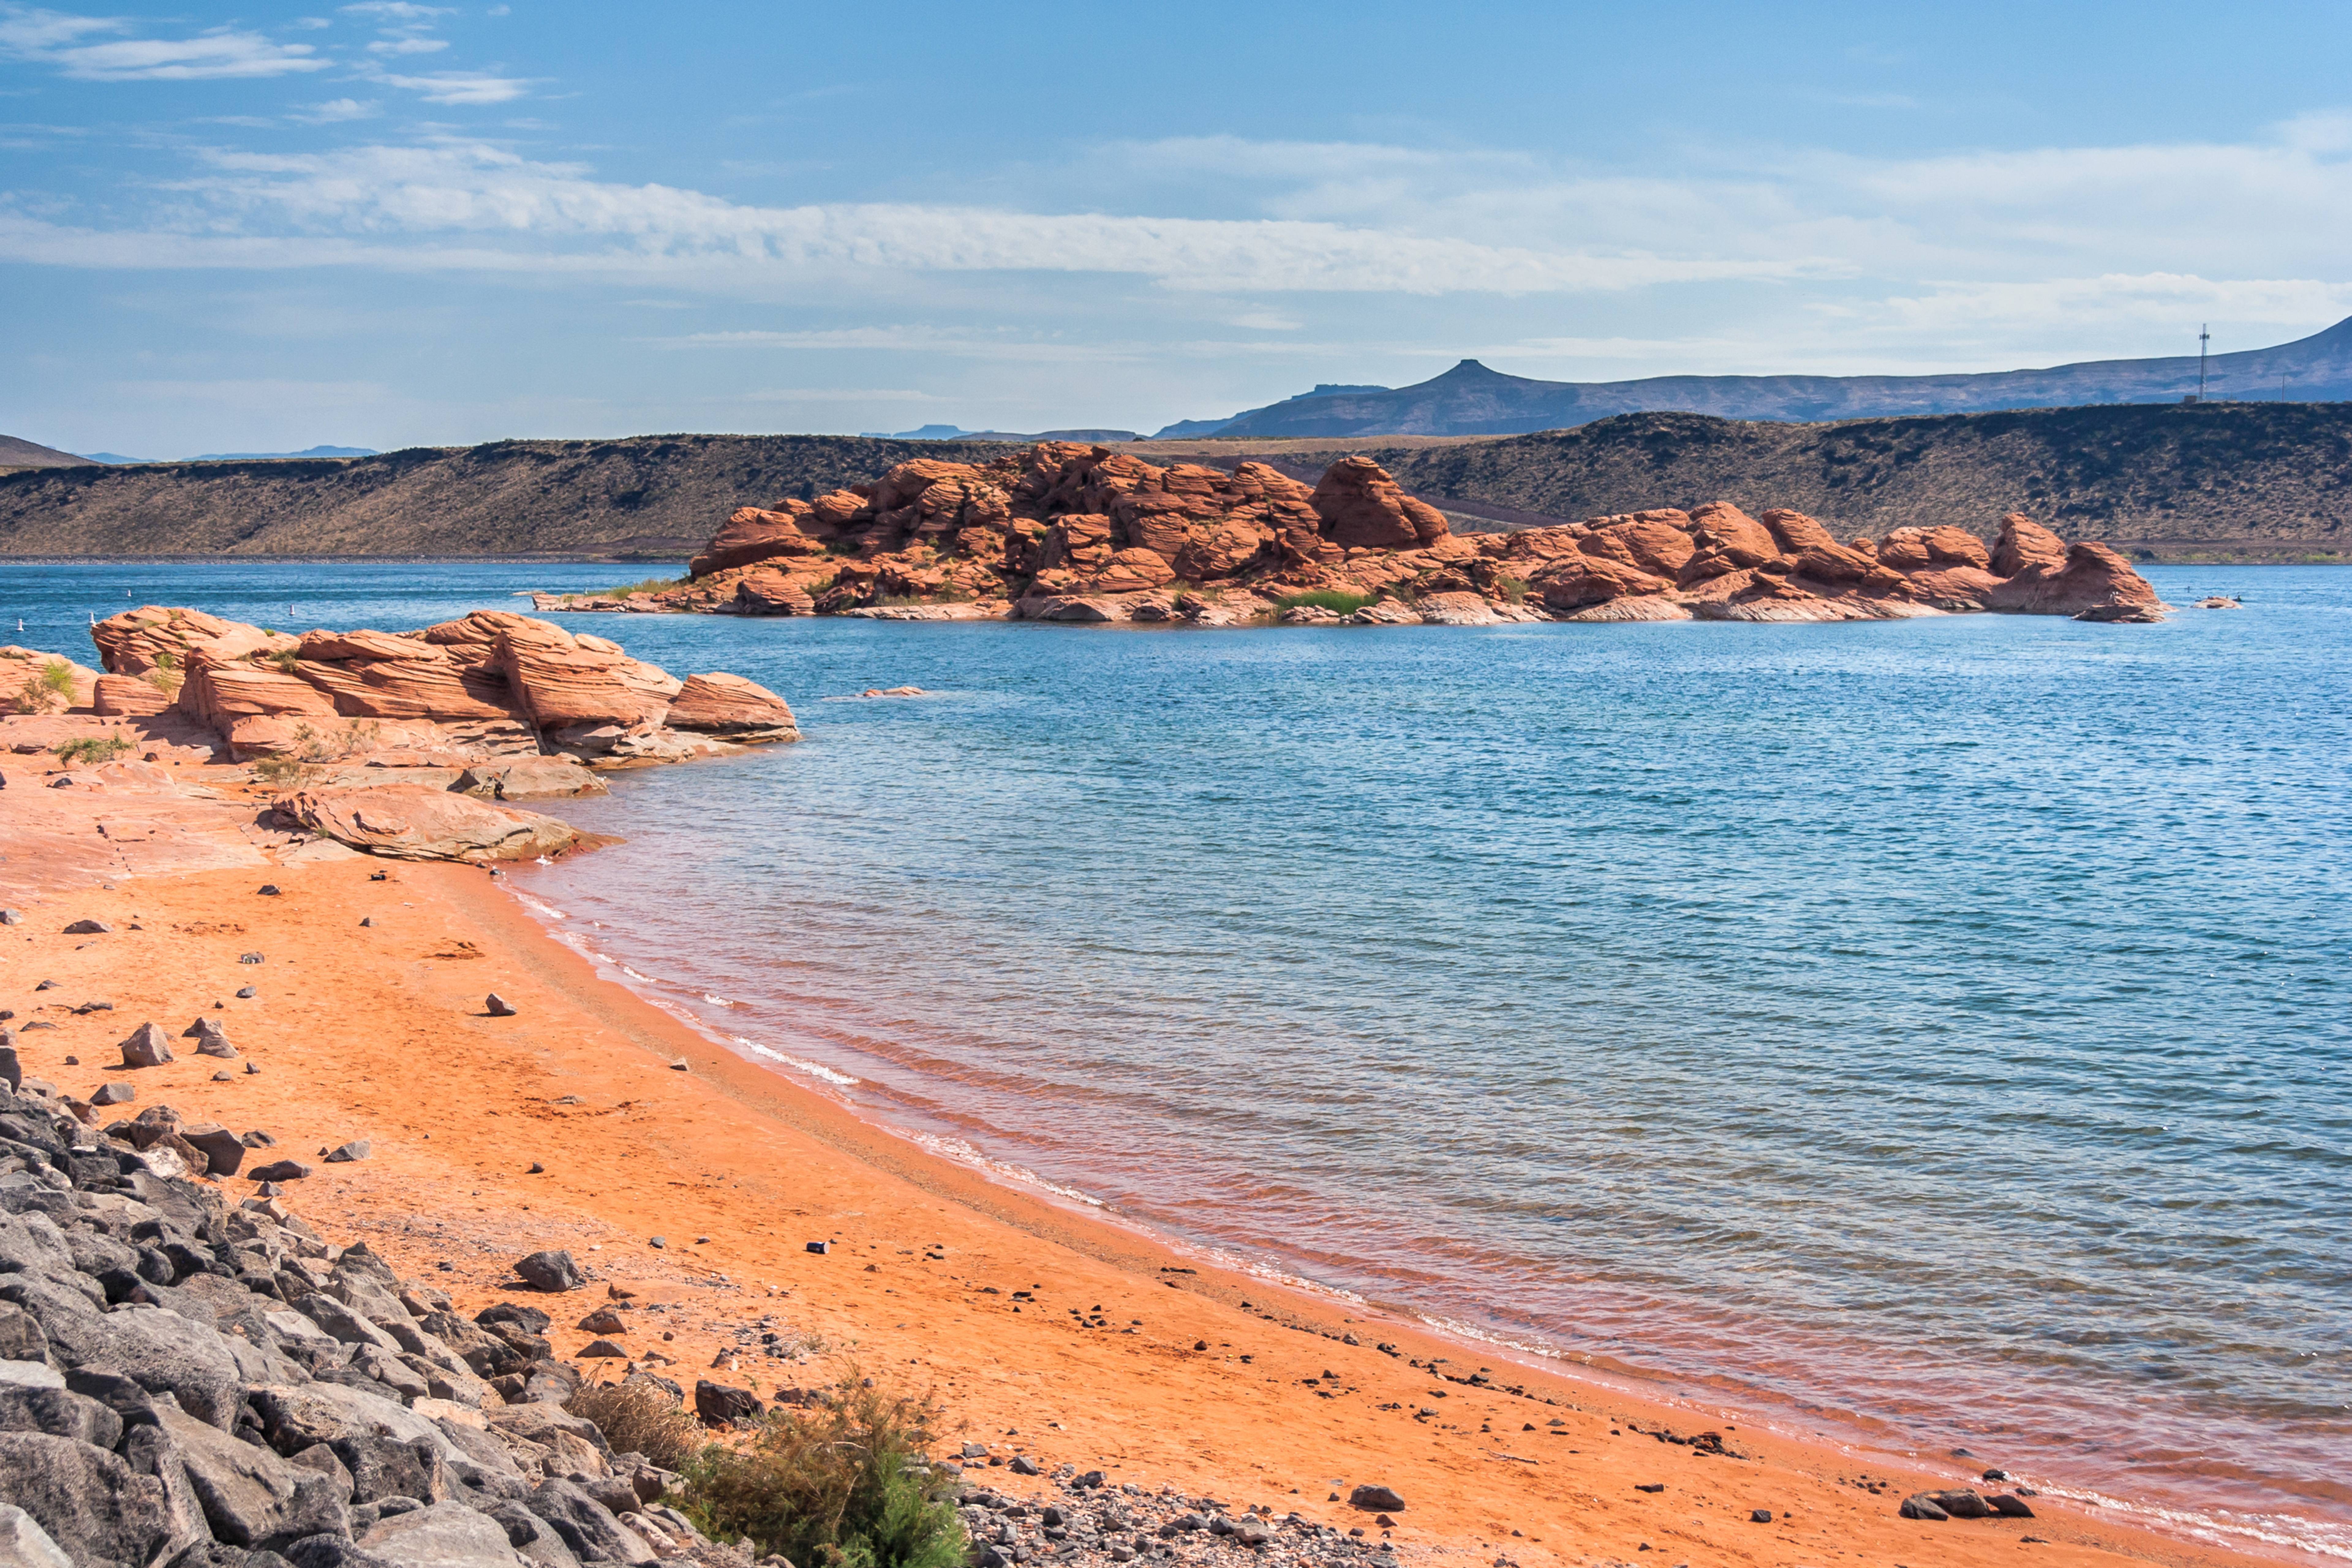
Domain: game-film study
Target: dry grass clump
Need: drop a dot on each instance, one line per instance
(638, 1417)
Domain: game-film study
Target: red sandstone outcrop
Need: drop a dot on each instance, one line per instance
(414, 822)
(30, 682)
(1068, 533)
(493, 684)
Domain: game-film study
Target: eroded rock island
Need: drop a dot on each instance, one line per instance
(1068, 533)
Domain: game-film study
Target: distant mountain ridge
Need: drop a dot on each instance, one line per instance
(1472, 400)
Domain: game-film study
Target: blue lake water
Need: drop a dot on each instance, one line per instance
(1937, 1030)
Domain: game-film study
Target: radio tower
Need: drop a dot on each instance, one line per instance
(2203, 337)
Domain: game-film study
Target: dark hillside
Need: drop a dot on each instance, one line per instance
(651, 495)
(2219, 480)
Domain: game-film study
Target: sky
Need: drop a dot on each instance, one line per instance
(393, 224)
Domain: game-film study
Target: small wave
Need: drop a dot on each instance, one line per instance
(635, 975)
(963, 1153)
(550, 910)
(717, 1001)
(2223, 1527)
(814, 1069)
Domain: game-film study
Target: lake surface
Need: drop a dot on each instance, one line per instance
(1936, 1031)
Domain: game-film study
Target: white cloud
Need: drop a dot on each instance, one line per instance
(461, 87)
(392, 11)
(407, 46)
(52, 37)
(333, 112)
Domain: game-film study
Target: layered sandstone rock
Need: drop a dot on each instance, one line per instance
(29, 683)
(1068, 533)
(491, 685)
(415, 822)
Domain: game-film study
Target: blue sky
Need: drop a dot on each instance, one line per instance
(389, 223)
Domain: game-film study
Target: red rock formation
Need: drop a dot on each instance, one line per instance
(1067, 531)
(493, 684)
(2090, 584)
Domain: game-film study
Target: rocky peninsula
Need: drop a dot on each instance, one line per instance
(1062, 532)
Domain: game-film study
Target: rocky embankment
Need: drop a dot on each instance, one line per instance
(194, 1379)
(1065, 532)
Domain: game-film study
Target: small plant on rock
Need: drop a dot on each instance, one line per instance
(1339, 601)
(167, 674)
(91, 749)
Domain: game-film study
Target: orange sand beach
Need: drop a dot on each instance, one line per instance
(1041, 1329)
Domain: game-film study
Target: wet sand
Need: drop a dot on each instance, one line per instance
(379, 1032)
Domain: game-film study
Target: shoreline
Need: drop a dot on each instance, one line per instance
(378, 1033)
(1791, 1413)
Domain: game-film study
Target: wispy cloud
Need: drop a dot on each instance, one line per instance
(461, 87)
(335, 111)
(53, 39)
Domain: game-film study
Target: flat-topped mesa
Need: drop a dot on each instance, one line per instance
(493, 684)
(1065, 531)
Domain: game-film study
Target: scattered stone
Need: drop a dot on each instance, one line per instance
(248, 958)
(1921, 1505)
(89, 928)
(604, 1348)
(681, 1065)
(343, 1155)
(602, 1321)
(1759, 1516)
(47, 986)
(246, 993)
(114, 1094)
(536, 1169)
(145, 1047)
(552, 1272)
(224, 1076)
(498, 1006)
(2009, 1506)
(1022, 1465)
(281, 1171)
(367, 919)
(1383, 1499)
(212, 1040)
(252, 1067)
(11, 918)
(720, 1406)
(268, 890)
(657, 1241)
(89, 1007)
(1649, 1486)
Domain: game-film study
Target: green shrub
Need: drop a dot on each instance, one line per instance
(1338, 600)
(282, 770)
(90, 751)
(1515, 589)
(841, 1484)
(56, 678)
(648, 585)
(637, 1417)
(167, 675)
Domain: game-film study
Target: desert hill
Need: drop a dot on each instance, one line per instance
(2216, 481)
(1471, 399)
(21, 454)
(2219, 480)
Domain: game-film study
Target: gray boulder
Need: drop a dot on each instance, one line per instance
(384, 1467)
(160, 1350)
(222, 1150)
(446, 1535)
(59, 1413)
(250, 1497)
(586, 1526)
(22, 1543)
(551, 1271)
(145, 1047)
(531, 1535)
(20, 1335)
(93, 1506)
